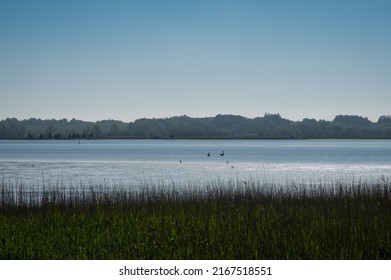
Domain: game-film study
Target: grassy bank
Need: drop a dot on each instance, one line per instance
(240, 221)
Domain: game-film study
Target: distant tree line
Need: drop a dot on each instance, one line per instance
(184, 127)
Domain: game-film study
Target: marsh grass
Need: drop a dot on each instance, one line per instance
(234, 220)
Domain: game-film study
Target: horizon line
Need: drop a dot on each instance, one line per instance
(185, 115)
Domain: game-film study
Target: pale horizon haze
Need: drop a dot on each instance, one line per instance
(125, 60)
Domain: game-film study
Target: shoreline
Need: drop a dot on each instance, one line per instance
(196, 138)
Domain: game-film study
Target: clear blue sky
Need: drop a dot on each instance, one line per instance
(128, 59)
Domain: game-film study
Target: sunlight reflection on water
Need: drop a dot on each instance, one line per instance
(135, 174)
(139, 162)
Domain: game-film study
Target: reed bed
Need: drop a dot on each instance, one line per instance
(218, 220)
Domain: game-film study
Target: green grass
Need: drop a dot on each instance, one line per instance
(252, 221)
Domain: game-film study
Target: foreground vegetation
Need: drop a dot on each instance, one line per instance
(250, 220)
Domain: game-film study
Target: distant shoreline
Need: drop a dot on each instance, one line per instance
(221, 127)
(196, 138)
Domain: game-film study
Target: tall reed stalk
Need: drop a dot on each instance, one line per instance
(234, 220)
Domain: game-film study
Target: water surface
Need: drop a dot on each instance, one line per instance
(134, 162)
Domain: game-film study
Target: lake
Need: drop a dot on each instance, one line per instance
(186, 162)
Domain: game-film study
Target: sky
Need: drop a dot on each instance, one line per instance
(129, 59)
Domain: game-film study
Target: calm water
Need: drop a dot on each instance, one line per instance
(131, 162)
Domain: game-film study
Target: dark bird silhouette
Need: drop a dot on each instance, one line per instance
(222, 154)
(208, 154)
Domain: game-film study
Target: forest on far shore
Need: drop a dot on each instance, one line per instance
(270, 126)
